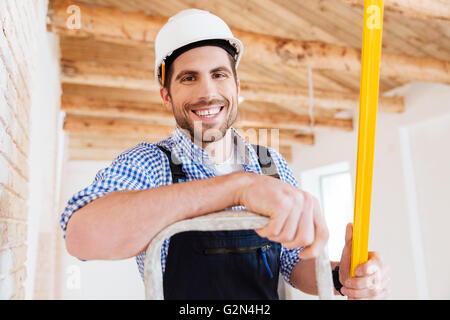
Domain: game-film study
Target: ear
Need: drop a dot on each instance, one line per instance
(167, 101)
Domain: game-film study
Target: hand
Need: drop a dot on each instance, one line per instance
(295, 216)
(371, 279)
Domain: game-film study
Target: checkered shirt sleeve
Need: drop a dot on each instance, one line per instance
(127, 172)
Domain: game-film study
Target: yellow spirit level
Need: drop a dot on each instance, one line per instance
(370, 77)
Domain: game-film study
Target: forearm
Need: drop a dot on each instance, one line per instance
(120, 225)
(303, 276)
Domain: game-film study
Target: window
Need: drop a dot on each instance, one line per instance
(332, 185)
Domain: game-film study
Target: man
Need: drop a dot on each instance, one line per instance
(136, 197)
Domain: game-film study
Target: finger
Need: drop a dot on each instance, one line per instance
(291, 223)
(381, 296)
(305, 231)
(273, 228)
(286, 206)
(361, 293)
(381, 280)
(377, 292)
(375, 286)
(290, 227)
(373, 265)
(362, 282)
(385, 291)
(320, 231)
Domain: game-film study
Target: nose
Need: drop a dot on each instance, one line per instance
(206, 89)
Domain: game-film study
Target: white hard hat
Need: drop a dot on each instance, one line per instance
(190, 26)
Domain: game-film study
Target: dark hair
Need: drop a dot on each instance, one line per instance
(224, 44)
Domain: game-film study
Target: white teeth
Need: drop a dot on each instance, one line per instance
(209, 112)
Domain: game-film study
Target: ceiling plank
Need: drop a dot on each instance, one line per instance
(328, 21)
(142, 130)
(157, 114)
(107, 75)
(134, 28)
(122, 76)
(423, 9)
(105, 126)
(293, 96)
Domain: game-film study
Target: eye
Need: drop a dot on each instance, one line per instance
(187, 79)
(219, 75)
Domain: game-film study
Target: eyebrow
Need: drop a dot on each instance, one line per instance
(221, 68)
(193, 72)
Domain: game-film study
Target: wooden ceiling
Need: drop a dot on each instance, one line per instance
(112, 101)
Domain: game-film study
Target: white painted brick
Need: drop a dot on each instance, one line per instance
(12, 260)
(19, 294)
(17, 132)
(11, 206)
(3, 75)
(22, 26)
(14, 68)
(13, 233)
(16, 47)
(11, 285)
(7, 287)
(12, 180)
(2, 10)
(10, 151)
(6, 262)
(19, 255)
(25, 48)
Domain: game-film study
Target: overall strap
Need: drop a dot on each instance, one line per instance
(177, 169)
(266, 163)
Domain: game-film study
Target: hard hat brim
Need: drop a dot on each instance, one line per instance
(234, 43)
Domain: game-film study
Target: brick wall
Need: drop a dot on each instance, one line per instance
(18, 39)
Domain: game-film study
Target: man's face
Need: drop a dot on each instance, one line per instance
(203, 93)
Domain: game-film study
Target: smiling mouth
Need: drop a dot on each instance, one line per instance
(208, 113)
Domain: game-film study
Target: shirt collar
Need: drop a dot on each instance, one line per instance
(187, 151)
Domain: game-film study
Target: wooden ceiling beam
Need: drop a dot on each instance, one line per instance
(420, 9)
(151, 131)
(123, 76)
(107, 75)
(285, 95)
(158, 114)
(135, 129)
(134, 28)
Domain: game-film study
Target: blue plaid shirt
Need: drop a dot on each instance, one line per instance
(146, 166)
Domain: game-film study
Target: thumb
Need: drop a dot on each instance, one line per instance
(348, 233)
(346, 252)
(348, 240)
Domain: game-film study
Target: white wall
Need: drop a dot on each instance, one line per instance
(426, 122)
(94, 279)
(430, 148)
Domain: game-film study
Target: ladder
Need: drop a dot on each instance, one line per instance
(223, 220)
